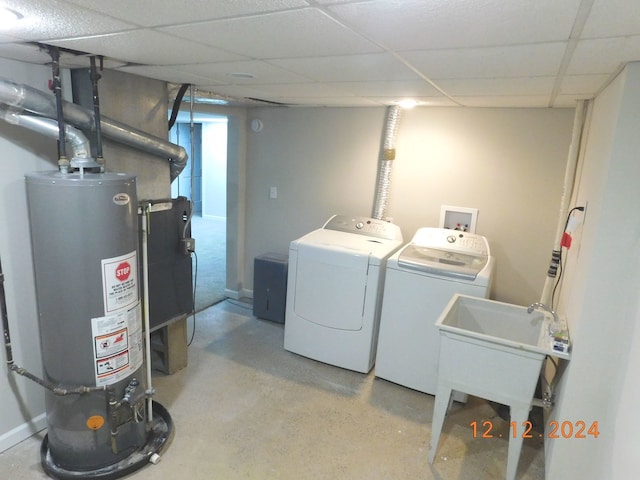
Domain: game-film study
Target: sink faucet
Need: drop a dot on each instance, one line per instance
(543, 307)
(556, 320)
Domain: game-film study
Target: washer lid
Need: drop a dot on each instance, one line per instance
(442, 262)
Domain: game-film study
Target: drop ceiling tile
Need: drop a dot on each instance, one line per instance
(497, 86)
(602, 56)
(301, 90)
(329, 101)
(276, 93)
(31, 53)
(150, 13)
(236, 91)
(133, 46)
(298, 33)
(568, 101)
(612, 18)
(583, 84)
(510, 61)
(372, 67)
(287, 96)
(426, 101)
(416, 24)
(508, 101)
(49, 19)
(245, 73)
(436, 102)
(24, 52)
(170, 74)
(397, 89)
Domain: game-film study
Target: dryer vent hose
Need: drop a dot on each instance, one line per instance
(387, 156)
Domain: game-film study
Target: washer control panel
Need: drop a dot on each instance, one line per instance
(454, 240)
(371, 227)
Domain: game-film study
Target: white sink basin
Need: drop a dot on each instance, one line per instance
(499, 323)
(492, 350)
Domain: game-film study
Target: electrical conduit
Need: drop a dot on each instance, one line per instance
(146, 230)
(567, 190)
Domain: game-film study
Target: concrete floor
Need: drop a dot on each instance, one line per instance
(246, 409)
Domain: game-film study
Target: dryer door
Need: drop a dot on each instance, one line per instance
(331, 286)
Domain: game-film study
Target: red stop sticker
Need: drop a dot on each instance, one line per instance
(122, 271)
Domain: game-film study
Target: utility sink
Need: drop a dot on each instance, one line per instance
(499, 324)
(492, 350)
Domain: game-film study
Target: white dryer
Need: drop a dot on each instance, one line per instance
(421, 278)
(334, 290)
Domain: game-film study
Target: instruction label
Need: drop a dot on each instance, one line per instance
(117, 345)
(120, 282)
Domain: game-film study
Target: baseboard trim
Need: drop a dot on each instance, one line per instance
(22, 432)
(238, 294)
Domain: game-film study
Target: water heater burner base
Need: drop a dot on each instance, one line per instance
(161, 429)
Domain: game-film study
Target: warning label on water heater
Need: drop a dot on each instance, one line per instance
(117, 345)
(119, 282)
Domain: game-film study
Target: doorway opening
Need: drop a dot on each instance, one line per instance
(204, 181)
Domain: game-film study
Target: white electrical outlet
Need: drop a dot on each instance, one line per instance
(273, 192)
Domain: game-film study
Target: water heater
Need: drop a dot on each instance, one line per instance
(84, 234)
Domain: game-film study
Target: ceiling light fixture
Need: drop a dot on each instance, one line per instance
(407, 103)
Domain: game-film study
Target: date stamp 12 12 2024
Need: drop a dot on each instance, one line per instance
(566, 429)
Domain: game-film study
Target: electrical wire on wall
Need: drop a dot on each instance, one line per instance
(193, 305)
(192, 203)
(189, 244)
(566, 243)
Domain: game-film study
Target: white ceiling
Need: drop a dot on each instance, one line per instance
(504, 53)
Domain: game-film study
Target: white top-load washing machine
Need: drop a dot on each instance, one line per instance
(334, 290)
(421, 278)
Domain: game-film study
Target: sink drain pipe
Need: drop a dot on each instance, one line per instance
(387, 156)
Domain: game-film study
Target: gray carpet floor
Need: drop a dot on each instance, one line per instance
(211, 250)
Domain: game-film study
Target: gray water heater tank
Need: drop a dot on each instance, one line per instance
(84, 235)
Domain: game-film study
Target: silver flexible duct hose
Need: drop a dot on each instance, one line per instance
(75, 139)
(387, 155)
(35, 101)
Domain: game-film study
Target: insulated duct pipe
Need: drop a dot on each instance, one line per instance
(75, 139)
(567, 190)
(35, 101)
(387, 155)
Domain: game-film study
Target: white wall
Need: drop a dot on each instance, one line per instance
(600, 295)
(214, 169)
(508, 163)
(21, 401)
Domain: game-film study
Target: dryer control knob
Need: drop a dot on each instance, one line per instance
(451, 239)
(359, 225)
